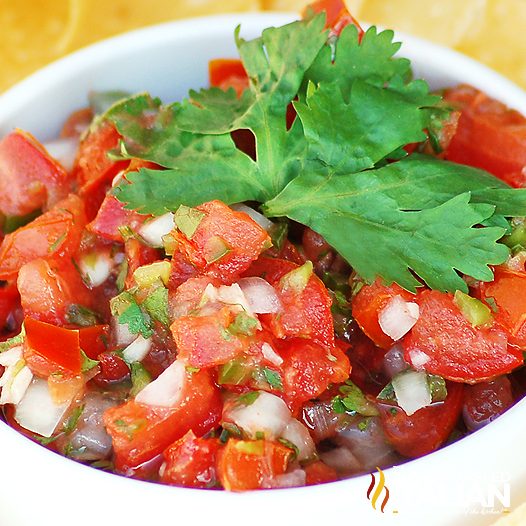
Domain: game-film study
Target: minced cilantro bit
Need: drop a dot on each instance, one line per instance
(248, 398)
(191, 370)
(156, 305)
(278, 233)
(140, 378)
(56, 244)
(473, 309)
(71, 423)
(81, 316)
(87, 362)
(297, 279)
(352, 400)
(129, 428)
(130, 313)
(387, 393)
(273, 378)
(363, 424)
(290, 445)
(244, 325)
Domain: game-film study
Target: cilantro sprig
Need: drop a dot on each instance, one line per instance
(340, 169)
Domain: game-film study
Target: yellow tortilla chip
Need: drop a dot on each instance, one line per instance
(99, 19)
(33, 33)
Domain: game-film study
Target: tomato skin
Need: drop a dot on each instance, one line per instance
(51, 349)
(243, 238)
(55, 234)
(191, 462)
(140, 432)
(308, 369)
(251, 464)
(203, 341)
(113, 369)
(427, 429)
(110, 216)
(337, 15)
(48, 288)
(30, 179)
(508, 290)
(228, 73)
(319, 473)
(367, 305)
(457, 350)
(489, 135)
(92, 339)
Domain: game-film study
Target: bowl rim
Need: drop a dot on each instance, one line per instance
(12, 100)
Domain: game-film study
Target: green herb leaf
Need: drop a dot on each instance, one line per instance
(248, 398)
(138, 321)
(81, 316)
(273, 378)
(352, 400)
(244, 325)
(140, 378)
(71, 423)
(13, 341)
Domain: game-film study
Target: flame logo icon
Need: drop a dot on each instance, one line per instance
(378, 490)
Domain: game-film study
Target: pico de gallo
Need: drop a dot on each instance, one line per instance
(168, 318)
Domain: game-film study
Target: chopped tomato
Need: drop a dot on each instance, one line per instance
(140, 432)
(205, 341)
(427, 429)
(77, 123)
(453, 348)
(306, 313)
(225, 242)
(227, 73)
(251, 464)
(319, 473)
(288, 251)
(137, 255)
(308, 369)
(337, 13)
(187, 297)
(367, 305)
(9, 306)
(93, 340)
(30, 179)
(50, 349)
(54, 234)
(507, 295)
(47, 289)
(110, 216)
(191, 462)
(489, 135)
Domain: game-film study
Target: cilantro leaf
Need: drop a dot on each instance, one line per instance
(137, 320)
(156, 304)
(367, 218)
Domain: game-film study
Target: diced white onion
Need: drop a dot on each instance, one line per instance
(258, 218)
(11, 356)
(16, 377)
(293, 479)
(96, 268)
(268, 414)
(412, 391)
(166, 390)
(418, 359)
(233, 295)
(261, 295)
(37, 412)
(137, 350)
(299, 435)
(64, 151)
(270, 354)
(153, 231)
(398, 317)
(122, 333)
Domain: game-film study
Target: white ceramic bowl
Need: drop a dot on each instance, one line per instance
(465, 483)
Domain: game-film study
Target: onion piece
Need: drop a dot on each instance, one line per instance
(258, 218)
(122, 333)
(394, 361)
(16, 377)
(418, 359)
(64, 151)
(398, 317)
(260, 295)
(268, 414)
(153, 231)
(37, 412)
(341, 460)
(412, 391)
(167, 389)
(233, 295)
(270, 354)
(137, 350)
(96, 268)
(299, 435)
(292, 479)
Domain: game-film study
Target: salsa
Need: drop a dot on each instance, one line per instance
(310, 270)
